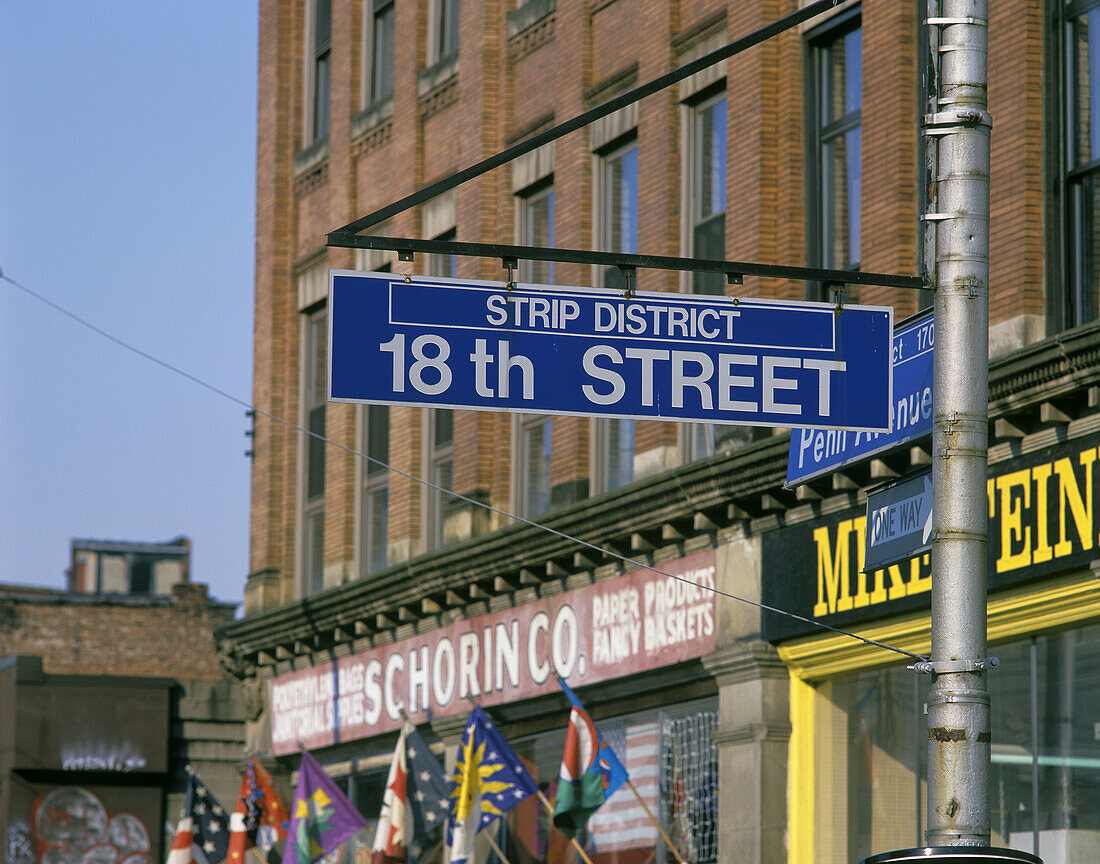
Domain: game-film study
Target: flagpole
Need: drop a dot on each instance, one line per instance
(576, 845)
(497, 849)
(649, 813)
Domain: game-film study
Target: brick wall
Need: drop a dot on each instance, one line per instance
(508, 87)
(85, 635)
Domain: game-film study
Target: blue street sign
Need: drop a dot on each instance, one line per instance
(551, 350)
(816, 451)
(899, 521)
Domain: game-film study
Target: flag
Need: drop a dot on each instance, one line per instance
(622, 823)
(489, 780)
(274, 820)
(590, 771)
(428, 798)
(260, 817)
(415, 803)
(202, 835)
(389, 837)
(322, 819)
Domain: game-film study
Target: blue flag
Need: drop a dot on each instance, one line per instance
(428, 797)
(489, 780)
(590, 771)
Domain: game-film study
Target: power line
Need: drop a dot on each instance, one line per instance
(489, 507)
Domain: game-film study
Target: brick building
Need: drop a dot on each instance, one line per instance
(104, 699)
(805, 150)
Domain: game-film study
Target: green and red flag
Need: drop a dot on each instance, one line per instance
(590, 771)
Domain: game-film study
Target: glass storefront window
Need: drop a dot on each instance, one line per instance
(674, 765)
(870, 737)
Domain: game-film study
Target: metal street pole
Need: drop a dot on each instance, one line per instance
(958, 701)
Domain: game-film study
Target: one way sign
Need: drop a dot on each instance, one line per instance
(899, 521)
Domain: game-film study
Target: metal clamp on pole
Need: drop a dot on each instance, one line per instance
(941, 667)
(944, 122)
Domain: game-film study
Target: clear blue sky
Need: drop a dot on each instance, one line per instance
(127, 196)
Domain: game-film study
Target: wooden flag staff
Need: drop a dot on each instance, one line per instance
(550, 812)
(648, 812)
(497, 849)
(653, 819)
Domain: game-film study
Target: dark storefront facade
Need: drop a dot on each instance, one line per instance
(83, 766)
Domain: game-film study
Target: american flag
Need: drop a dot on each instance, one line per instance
(622, 823)
(202, 836)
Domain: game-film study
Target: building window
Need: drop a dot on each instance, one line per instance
(617, 206)
(706, 439)
(614, 453)
(674, 748)
(378, 38)
(535, 436)
(870, 734)
(1082, 33)
(834, 99)
(617, 227)
(318, 70)
(365, 790)
(315, 374)
(444, 265)
(376, 489)
(442, 30)
(441, 471)
(706, 187)
(535, 227)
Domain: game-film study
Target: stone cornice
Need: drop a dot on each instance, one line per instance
(752, 733)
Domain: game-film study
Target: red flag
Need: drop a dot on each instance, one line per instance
(260, 817)
(274, 819)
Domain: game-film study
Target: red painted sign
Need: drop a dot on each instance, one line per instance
(617, 627)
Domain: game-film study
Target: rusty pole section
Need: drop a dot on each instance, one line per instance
(958, 127)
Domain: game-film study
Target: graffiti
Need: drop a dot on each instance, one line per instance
(87, 757)
(71, 826)
(20, 848)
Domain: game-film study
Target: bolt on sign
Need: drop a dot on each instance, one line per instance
(552, 350)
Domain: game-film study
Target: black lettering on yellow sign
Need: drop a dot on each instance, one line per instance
(1038, 515)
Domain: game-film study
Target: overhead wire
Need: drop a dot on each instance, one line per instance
(608, 553)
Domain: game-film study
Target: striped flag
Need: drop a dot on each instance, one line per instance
(202, 835)
(622, 822)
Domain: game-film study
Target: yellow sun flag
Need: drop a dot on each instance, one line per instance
(489, 780)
